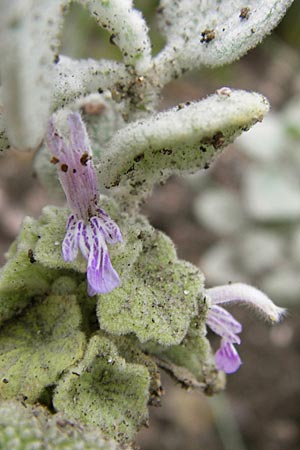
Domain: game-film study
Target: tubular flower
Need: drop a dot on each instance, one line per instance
(227, 327)
(89, 228)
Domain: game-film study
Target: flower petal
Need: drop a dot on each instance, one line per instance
(223, 324)
(244, 293)
(70, 242)
(101, 276)
(227, 358)
(108, 227)
(84, 238)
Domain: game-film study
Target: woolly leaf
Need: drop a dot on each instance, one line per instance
(23, 278)
(179, 140)
(76, 78)
(212, 33)
(128, 28)
(33, 428)
(38, 346)
(191, 363)
(158, 299)
(129, 349)
(105, 391)
(27, 68)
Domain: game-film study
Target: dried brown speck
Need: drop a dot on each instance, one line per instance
(54, 160)
(85, 157)
(30, 256)
(139, 157)
(218, 140)
(166, 151)
(64, 168)
(207, 36)
(112, 39)
(245, 13)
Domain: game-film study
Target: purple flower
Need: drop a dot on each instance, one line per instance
(89, 228)
(227, 327)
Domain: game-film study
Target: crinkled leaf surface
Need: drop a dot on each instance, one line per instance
(184, 139)
(103, 390)
(129, 348)
(191, 363)
(158, 299)
(23, 278)
(32, 427)
(213, 32)
(38, 346)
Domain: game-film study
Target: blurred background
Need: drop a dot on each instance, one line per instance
(238, 221)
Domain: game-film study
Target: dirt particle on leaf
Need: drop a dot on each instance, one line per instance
(31, 256)
(54, 160)
(139, 157)
(245, 13)
(207, 36)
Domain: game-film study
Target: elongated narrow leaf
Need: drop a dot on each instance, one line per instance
(212, 32)
(128, 28)
(28, 43)
(180, 140)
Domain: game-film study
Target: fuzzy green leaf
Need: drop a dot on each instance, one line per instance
(33, 428)
(191, 363)
(38, 346)
(129, 349)
(23, 278)
(182, 140)
(105, 391)
(158, 299)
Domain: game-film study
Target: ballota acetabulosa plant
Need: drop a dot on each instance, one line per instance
(92, 298)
